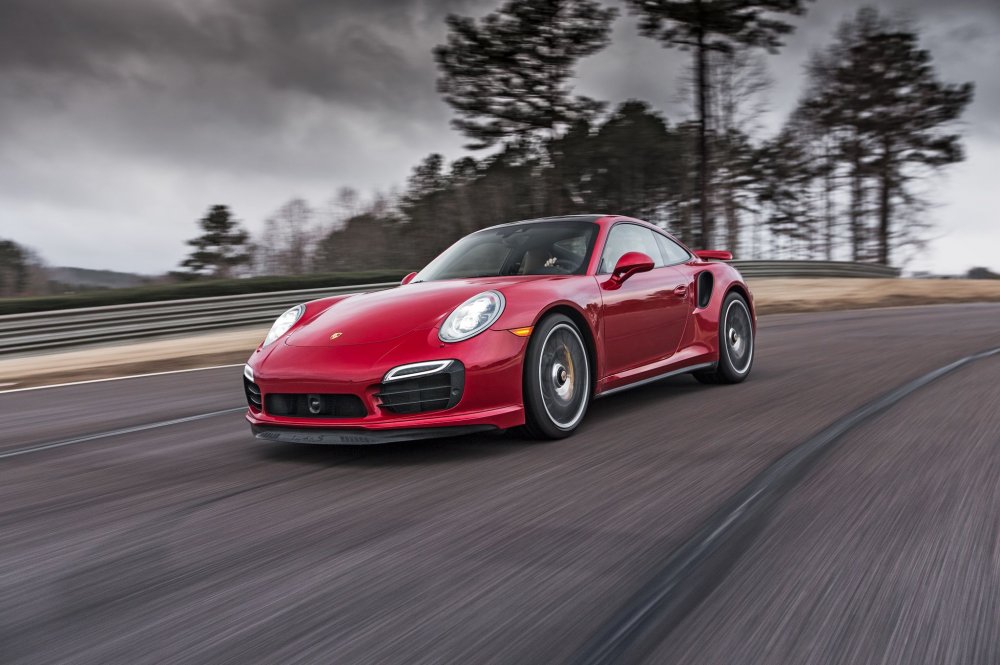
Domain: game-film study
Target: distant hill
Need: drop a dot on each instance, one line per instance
(982, 273)
(85, 278)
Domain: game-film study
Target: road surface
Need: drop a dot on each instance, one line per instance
(191, 542)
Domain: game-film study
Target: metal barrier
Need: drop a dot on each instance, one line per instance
(40, 331)
(757, 269)
(91, 325)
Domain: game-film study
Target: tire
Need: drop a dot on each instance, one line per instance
(736, 343)
(557, 386)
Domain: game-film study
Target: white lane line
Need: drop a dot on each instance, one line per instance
(115, 378)
(117, 432)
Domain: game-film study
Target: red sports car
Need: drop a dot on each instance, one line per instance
(516, 325)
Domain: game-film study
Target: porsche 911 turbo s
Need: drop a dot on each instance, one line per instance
(517, 325)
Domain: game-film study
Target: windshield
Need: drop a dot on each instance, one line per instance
(537, 248)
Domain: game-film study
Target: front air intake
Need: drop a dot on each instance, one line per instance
(252, 391)
(432, 392)
(295, 405)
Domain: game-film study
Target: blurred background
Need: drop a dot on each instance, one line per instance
(170, 142)
(248, 155)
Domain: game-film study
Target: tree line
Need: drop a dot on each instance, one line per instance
(21, 270)
(840, 180)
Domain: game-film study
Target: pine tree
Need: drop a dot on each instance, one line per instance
(507, 76)
(426, 206)
(13, 268)
(783, 190)
(221, 248)
(877, 90)
(628, 164)
(704, 26)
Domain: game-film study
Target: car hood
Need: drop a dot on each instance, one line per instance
(385, 315)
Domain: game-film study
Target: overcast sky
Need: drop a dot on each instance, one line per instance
(122, 121)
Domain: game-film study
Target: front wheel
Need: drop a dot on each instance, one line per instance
(556, 379)
(736, 343)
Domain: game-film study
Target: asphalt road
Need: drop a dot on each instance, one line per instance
(191, 542)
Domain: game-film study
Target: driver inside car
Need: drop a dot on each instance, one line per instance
(534, 261)
(549, 261)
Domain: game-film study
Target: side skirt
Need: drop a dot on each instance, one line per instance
(658, 377)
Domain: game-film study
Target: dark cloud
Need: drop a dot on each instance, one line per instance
(124, 120)
(360, 53)
(133, 117)
(332, 49)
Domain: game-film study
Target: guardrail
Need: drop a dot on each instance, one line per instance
(757, 269)
(40, 331)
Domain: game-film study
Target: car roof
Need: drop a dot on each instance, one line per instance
(559, 218)
(592, 218)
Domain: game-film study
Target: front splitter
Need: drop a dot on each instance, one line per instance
(361, 437)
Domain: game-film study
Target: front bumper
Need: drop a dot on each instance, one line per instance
(361, 437)
(490, 399)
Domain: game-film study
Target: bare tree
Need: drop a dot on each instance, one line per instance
(740, 82)
(287, 243)
(704, 27)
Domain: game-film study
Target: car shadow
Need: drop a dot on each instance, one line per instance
(421, 452)
(641, 397)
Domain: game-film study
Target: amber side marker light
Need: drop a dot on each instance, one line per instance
(522, 332)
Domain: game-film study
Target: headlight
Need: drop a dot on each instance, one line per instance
(472, 317)
(284, 322)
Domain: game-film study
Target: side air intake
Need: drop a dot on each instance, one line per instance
(706, 282)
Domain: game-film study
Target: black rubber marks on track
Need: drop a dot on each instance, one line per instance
(696, 567)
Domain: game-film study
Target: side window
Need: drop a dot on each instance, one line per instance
(625, 238)
(672, 252)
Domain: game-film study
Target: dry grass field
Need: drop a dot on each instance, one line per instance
(771, 295)
(775, 296)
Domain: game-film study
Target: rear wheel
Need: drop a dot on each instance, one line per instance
(556, 379)
(736, 343)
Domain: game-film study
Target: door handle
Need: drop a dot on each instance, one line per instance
(681, 291)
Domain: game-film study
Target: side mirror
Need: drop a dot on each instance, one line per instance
(408, 278)
(629, 264)
(714, 255)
